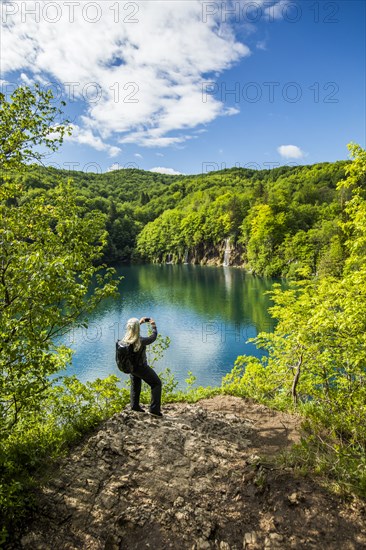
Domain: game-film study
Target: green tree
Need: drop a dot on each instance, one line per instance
(317, 353)
(50, 278)
(49, 251)
(266, 231)
(29, 120)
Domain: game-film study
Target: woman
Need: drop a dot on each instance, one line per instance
(141, 370)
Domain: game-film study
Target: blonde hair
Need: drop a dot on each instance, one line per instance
(132, 335)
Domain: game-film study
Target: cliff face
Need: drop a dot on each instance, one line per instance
(201, 477)
(208, 254)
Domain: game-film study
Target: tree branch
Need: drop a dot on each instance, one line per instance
(296, 380)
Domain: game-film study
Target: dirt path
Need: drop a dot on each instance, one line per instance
(200, 478)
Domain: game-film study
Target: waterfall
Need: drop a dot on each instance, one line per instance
(185, 259)
(169, 259)
(227, 252)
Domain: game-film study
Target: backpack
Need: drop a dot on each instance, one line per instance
(124, 357)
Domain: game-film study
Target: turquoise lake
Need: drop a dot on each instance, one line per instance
(208, 313)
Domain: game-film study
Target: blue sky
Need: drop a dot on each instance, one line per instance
(188, 86)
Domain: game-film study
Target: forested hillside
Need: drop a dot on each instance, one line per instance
(293, 221)
(280, 222)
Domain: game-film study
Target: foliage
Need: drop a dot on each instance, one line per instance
(171, 393)
(70, 410)
(343, 465)
(292, 221)
(281, 222)
(29, 119)
(193, 394)
(49, 281)
(317, 352)
(47, 268)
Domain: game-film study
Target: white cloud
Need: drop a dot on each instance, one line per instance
(138, 69)
(85, 136)
(291, 152)
(261, 45)
(26, 80)
(114, 166)
(113, 151)
(231, 111)
(152, 139)
(138, 156)
(162, 170)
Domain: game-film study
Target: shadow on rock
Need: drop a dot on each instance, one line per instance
(192, 480)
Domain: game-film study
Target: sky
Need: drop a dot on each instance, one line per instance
(191, 86)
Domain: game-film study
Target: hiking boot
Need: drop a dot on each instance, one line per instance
(158, 415)
(138, 409)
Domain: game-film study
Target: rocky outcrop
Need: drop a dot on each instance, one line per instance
(206, 254)
(191, 480)
(216, 255)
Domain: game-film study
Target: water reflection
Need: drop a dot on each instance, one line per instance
(208, 313)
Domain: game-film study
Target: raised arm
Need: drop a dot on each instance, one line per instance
(146, 340)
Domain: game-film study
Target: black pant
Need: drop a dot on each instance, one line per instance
(148, 375)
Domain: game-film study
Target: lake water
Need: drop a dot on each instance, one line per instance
(208, 312)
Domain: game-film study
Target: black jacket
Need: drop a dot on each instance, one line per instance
(140, 355)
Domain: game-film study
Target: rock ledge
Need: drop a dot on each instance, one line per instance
(191, 480)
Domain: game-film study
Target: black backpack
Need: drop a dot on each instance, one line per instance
(124, 357)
